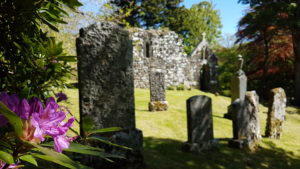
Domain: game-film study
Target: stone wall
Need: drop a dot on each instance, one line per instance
(164, 50)
(158, 49)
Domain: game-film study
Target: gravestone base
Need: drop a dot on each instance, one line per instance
(158, 106)
(274, 130)
(134, 159)
(242, 144)
(228, 115)
(198, 148)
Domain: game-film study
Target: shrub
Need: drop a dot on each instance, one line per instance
(30, 131)
(180, 87)
(171, 87)
(31, 62)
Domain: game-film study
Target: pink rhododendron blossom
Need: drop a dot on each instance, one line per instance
(39, 121)
(61, 96)
(11, 166)
(61, 142)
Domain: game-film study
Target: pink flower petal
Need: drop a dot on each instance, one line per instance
(3, 121)
(36, 106)
(69, 123)
(61, 142)
(23, 109)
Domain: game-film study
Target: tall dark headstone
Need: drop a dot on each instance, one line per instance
(106, 88)
(276, 113)
(245, 121)
(157, 90)
(209, 74)
(199, 124)
(202, 71)
(238, 86)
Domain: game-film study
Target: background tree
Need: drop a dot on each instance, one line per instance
(31, 62)
(287, 20)
(201, 18)
(146, 14)
(188, 23)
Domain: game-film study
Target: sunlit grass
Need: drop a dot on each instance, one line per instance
(164, 132)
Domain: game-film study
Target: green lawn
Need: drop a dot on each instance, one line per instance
(164, 133)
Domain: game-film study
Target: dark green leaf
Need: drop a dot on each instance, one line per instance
(74, 146)
(97, 138)
(17, 45)
(30, 159)
(87, 124)
(67, 58)
(57, 158)
(72, 3)
(4, 145)
(13, 119)
(49, 24)
(6, 157)
(105, 130)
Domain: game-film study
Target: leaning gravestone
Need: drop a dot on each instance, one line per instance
(106, 88)
(157, 90)
(276, 113)
(238, 86)
(246, 127)
(199, 124)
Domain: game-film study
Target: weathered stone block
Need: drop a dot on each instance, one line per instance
(246, 127)
(276, 113)
(158, 106)
(199, 124)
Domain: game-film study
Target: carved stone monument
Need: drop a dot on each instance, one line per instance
(157, 91)
(246, 127)
(106, 88)
(276, 113)
(199, 124)
(238, 86)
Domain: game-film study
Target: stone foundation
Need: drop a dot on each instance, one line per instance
(158, 106)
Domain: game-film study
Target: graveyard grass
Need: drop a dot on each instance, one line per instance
(164, 132)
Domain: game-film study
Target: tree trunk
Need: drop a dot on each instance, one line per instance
(296, 44)
(266, 54)
(297, 67)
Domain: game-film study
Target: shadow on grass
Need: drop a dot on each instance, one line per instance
(142, 110)
(167, 154)
(219, 116)
(295, 111)
(72, 85)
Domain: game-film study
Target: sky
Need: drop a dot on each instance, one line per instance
(230, 12)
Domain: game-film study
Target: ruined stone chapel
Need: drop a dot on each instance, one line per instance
(163, 50)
